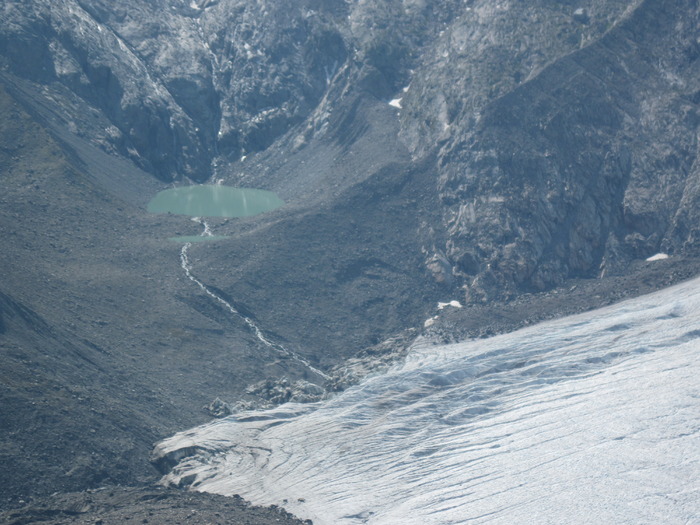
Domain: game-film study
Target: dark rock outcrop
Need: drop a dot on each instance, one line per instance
(562, 153)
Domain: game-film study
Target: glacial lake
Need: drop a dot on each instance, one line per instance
(214, 201)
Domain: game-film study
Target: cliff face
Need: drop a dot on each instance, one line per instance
(582, 156)
(175, 82)
(184, 86)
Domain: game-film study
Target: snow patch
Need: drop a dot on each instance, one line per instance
(396, 102)
(658, 257)
(453, 304)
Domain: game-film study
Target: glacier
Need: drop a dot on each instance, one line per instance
(593, 418)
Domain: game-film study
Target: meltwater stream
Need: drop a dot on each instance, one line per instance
(185, 264)
(589, 419)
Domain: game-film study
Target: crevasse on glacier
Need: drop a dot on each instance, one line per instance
(589, 419)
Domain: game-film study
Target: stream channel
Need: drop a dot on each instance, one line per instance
(221, 201)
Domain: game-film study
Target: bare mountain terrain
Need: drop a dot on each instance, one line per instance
(524, 159)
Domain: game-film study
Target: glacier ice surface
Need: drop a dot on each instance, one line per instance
(593, 418)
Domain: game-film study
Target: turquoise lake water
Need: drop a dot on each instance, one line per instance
(214, 201)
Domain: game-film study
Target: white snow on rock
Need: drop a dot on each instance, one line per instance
(658, 257)
(396, 102)
(453, 304)
(593, 418)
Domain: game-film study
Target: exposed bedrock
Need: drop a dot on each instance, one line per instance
(586, 163)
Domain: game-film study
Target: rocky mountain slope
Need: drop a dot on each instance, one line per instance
(587, 112)
(472, 150)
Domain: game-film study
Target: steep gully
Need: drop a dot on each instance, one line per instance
(185, 264)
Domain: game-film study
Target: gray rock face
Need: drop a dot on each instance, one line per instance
(186, 87)
(179, 84)
(88, 69)
(566, 143)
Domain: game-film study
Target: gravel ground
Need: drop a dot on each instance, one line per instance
(152, 505)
